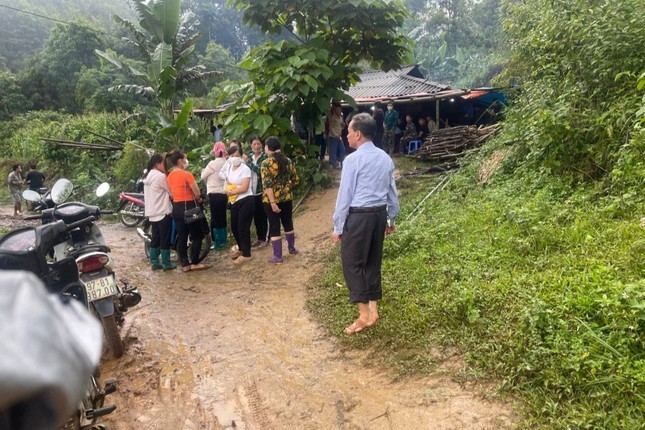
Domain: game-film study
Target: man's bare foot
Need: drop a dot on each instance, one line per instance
(357, 326)
(373, 320)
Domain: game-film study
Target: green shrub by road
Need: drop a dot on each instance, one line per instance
(539, 286)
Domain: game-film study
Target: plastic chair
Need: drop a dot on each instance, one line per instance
(413, 146)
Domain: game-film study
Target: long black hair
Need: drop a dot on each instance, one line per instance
(273, 143)
(154, 160)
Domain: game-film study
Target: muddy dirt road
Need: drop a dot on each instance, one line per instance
(235, 348)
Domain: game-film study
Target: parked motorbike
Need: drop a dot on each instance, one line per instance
(107, 299)
(31, 249)
(145, 233)
(40, 199)
(131, 207)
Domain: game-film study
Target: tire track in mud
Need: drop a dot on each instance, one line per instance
(255, 410)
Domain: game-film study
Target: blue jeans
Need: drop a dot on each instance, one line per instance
(336, 151)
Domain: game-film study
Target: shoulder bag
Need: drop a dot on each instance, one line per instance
(193, 214)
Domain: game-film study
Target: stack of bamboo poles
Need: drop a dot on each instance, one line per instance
(444, 146)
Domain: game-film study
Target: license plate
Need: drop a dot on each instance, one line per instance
(100, 288)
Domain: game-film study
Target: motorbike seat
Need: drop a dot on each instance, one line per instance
(74, 253)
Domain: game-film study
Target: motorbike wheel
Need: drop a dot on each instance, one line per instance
(207, 241)
(146, 243)
(127, 219)
(114, 342)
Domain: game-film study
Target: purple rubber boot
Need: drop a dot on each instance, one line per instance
(291, 240)
(277, 252)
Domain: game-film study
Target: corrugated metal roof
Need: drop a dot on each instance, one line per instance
(403, 83)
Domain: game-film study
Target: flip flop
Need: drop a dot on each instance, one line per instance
(199, 266)
(356, 327)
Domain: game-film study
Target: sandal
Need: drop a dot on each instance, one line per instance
(200, 266)
(357, 326)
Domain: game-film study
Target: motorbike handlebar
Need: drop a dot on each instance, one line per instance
(76, 224)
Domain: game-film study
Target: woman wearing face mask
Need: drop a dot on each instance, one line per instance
(238, 188)
(186, 195)
(217, 195)
(259, 216)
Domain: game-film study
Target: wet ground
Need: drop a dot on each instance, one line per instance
(235, 348)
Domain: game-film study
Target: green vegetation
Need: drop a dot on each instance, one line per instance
(530, 261)
(330, 44)
(536, 285)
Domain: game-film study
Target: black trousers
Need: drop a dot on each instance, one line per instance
(218, 203)
(378, 140)
(241, 218)
(361, 251)
(260, 219)
(195, 230)
(285, 216)
(161, 233)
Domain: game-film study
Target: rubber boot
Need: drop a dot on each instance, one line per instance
(214, 237)
(277, 252)
(221, 238)
(165, 260)
(291, 240)
(154, 259)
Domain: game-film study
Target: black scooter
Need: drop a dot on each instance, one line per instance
(29, 249)
(107, 298)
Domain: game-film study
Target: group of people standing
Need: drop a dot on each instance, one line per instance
(35, 180)
(393, 133)
(256, 188)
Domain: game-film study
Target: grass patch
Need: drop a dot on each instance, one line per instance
(537, 285)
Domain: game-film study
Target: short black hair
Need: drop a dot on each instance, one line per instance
(15, 167)
(364, 123)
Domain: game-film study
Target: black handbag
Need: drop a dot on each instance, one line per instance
(193, 215)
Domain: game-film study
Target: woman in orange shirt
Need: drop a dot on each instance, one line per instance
(185, 195)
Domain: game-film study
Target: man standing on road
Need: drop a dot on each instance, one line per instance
(35, 179)
(15, 182)
(333, 129)
(366, 206)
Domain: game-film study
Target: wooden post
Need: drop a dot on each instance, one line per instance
(436, 111)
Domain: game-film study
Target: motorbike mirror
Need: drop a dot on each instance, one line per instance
(61, 190)
(102, 189)
(31, 196)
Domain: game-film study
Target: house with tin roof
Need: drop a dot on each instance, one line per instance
(413, 94)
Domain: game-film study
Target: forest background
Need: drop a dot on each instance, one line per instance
(528, 262)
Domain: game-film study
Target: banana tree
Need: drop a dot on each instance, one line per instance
(165, 40)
